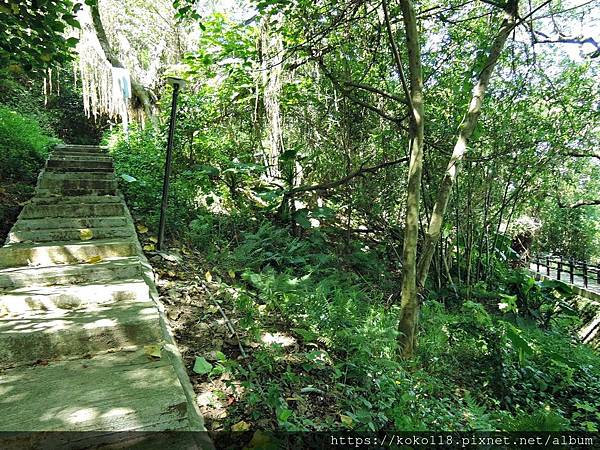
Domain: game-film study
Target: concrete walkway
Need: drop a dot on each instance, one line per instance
(83, 340)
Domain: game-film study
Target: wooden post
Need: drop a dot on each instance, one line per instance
(558, 267)
(547, 266)
(585, 275)
(571, 275)
(537, 264)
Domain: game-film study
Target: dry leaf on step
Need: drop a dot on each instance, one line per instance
(152, 350)
(94, 259)
(85, 234)
(142, 228)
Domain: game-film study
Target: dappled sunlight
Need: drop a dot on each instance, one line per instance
(278, 338)
(74, 416)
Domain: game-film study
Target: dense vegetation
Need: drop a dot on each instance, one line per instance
(337, 186)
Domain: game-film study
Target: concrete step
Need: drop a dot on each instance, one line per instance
(63, 182)
(31, 300)
(109, 392)
(67, 201)
(81, 148)
(65, 165)
(79, 156)
(72, 175)
(68, 234)
(60, 334)
(37, 210)
(75, 192)
(107, 270)
(70, 223)
(18, 255)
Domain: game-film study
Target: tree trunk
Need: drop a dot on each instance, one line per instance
(271, 54)
(409, 304)
(465, 131)
(138, 91)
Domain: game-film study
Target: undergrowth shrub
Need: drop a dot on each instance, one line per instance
(23, 146)
(139, 158)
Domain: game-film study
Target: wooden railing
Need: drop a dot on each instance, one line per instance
(566, 269)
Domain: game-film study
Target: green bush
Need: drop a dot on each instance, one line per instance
(139, 163)
(23, 146)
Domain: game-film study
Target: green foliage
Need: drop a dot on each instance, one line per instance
(59, 113)
(32, 35)
(571, 232)
(139, 162)
(538, 301)
(323, 269)
(23, 146)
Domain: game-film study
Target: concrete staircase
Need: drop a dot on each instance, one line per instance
(80, 315)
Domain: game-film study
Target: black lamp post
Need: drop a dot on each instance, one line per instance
(177, 84)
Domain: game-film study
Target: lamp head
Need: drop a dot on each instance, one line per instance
(176, 81)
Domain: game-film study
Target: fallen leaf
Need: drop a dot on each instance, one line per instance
(170, 257)
(186, 251)
(149, 248)
(94, 259)
(211, 309)
(241, 426)
(202, 366)
(153, 239)
(208, 276)
(85, 234)
(142, 228)
(152, 350)
(231, 273)
(346, 420)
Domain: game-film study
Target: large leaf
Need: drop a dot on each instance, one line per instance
(202, 366)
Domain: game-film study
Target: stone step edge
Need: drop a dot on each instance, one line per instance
(170, 346)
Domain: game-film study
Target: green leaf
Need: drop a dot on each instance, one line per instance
(202, 366)
(521, 345)
(128, 178)
(284, 414)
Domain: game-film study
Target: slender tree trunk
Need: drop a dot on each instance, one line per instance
(409, 305)
(271, 53)
(465, 131)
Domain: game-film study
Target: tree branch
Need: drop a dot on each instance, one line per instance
(333, 184)
(356, 100)
(579, 203)
(139, 91)
(583, 155)
(375, 90)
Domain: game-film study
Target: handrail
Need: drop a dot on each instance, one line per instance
(573, 268)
